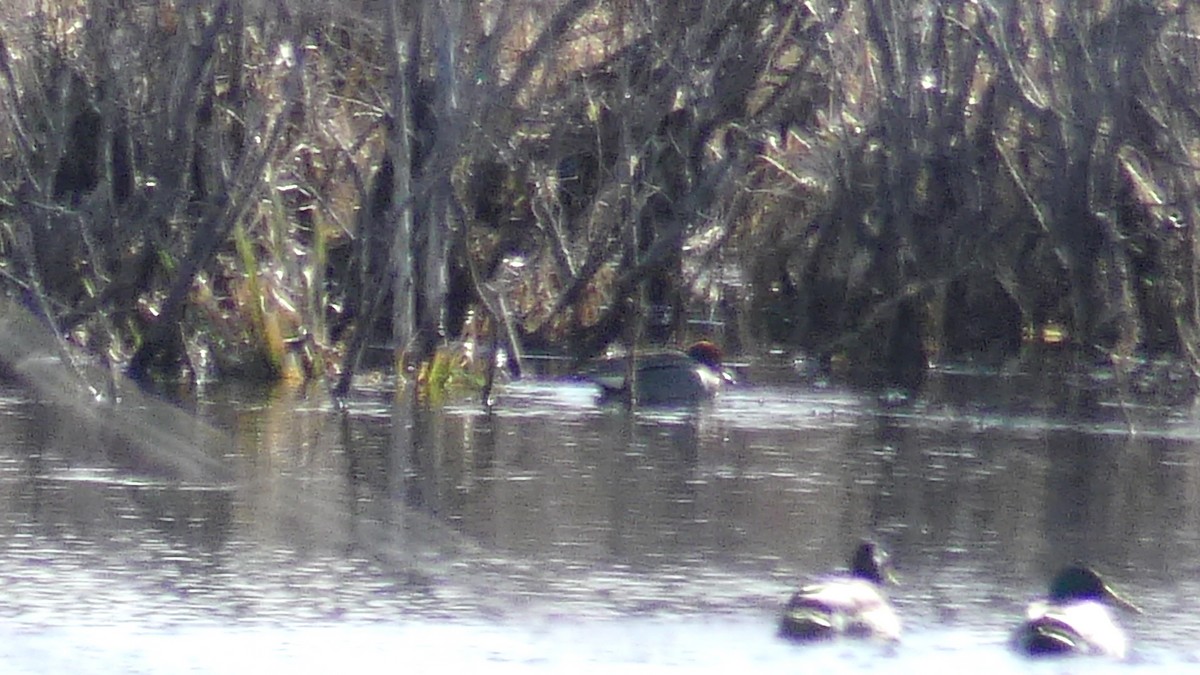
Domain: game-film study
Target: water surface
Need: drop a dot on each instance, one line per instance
(555, 534)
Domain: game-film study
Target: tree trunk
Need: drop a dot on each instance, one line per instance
(401, 215)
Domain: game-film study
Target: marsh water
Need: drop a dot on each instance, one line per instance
(556, 534)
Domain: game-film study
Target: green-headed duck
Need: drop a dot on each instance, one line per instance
(1074, 618)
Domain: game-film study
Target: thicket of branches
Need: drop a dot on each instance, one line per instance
(272, 184)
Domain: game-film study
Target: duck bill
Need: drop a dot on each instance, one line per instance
(1120, 601)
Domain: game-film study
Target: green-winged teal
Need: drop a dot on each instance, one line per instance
(665, 377)
(845, 604)
(1075, 617)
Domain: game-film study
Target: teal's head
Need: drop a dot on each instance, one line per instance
(1079, 582)
(706, 353)
(872, 563)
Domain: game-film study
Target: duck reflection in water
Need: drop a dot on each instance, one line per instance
(851, 603)
(1075, 618)
(667, 377)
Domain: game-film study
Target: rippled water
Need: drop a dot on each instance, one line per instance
(554, 534)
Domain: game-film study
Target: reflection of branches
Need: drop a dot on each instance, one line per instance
(139, 434)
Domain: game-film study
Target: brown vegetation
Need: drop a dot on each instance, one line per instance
(273, 187)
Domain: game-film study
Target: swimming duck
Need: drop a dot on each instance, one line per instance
(846, 604)
(1074, 618)
(666, 377)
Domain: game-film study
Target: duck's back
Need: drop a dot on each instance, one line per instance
(674, 378)
(662, 378)
(843, 605)
(1085, 627)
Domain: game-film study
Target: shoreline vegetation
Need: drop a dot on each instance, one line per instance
(306, 191)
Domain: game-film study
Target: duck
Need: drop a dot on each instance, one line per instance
(851, 603)
(669, 377)
(1075, 617)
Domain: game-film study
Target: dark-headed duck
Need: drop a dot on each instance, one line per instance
(851, 603)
